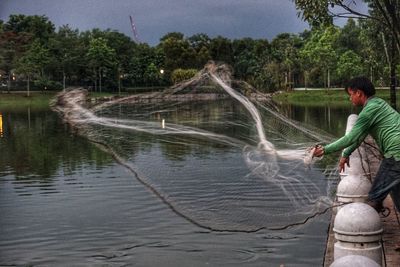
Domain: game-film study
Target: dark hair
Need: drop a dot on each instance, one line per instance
(361, 83)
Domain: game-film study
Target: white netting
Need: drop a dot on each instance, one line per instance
(215, 150)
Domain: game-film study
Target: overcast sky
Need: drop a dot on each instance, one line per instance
(154, 18)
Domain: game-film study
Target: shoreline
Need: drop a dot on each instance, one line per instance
(297, 97)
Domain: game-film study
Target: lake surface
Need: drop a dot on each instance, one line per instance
(66, 202)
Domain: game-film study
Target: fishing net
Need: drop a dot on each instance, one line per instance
(213, 149)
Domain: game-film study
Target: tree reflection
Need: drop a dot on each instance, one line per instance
(36, 145)
(1, 125)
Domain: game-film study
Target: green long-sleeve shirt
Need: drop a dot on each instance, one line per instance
(378, 119)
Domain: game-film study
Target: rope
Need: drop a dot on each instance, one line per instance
(383, 252)
(119, 160)
(308, 218)
(397, 216)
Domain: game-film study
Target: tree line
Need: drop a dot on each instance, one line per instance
(382, 21)
(34, 54)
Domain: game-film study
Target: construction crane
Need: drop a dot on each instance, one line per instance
(135, 34)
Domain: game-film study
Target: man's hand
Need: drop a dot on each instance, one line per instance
(342, 163)
(319, 151)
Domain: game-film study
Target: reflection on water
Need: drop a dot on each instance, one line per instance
(1, 125)
(65, 202)
(36, 145)
(332, 119)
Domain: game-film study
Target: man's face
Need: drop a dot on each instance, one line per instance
(356, 96)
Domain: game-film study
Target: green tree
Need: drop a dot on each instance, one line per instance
(40, 56)
(26, 67)
(349, 37)
(151, 74)
(221, 50)
(33, 62)
(349, 65)
(285, 52)
(272, 73)
(178, 53)
(39, 26)
(244, 58)
(374, 58)
(173, 35)
(143, 56)
(12, 47)
(101, 57)
(67, 52)
(201, 44)
(124, 48)
(382, 12)
(180, 75)
(319, 52)
(262, 54)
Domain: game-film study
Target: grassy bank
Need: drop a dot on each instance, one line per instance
(35, 100)
(308, 98)
(17, 100)
(320, 97)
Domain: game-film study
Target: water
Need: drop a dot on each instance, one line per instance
(63, 201)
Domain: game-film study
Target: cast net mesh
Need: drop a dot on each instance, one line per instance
(214, 150)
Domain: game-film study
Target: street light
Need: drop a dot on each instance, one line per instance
(160, 78)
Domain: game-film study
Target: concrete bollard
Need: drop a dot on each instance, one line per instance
(351, 120)
(354, 261)
(353, 188)
(357, 166)
(358, 231)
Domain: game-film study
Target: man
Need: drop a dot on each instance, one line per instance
(382, 122)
